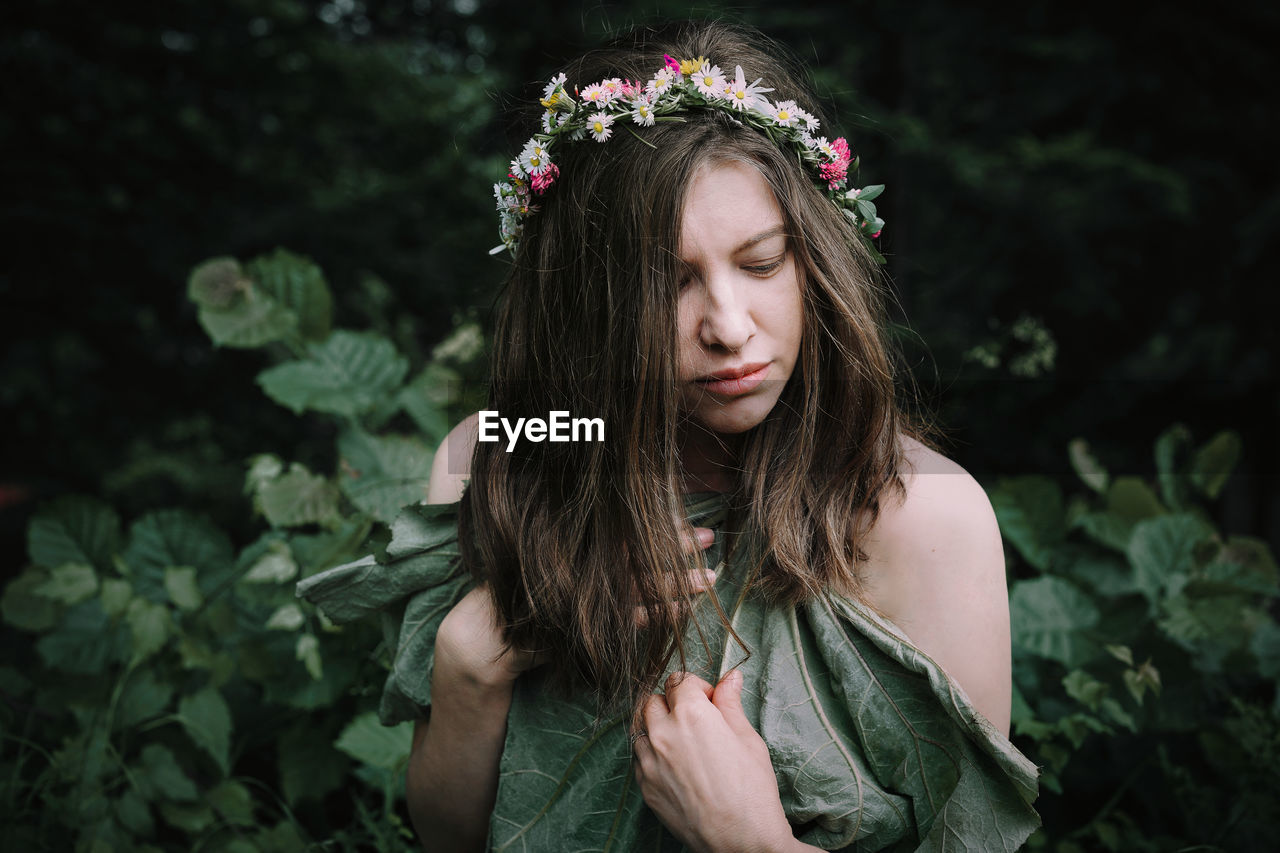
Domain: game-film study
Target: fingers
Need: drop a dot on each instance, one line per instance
(700, 581)
(728, 699)
(697, 538)
(684, 687)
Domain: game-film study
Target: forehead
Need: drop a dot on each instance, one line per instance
(727, 204)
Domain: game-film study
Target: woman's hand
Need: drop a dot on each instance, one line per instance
(706, 772)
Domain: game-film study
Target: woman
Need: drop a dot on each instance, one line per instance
(762, 597)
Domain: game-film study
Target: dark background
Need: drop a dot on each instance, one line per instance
(1108, 172)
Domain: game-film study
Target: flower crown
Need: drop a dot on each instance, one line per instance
(679, 86)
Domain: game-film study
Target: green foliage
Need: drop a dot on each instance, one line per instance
(1145, 655)
(170, 666)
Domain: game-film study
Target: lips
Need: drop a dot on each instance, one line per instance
(734, 381)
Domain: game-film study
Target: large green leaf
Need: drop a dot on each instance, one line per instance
(144, 697)
(346, 375)
(24, 608)
(74, 530)
(296, 283)
(871, 742)
(298, 497)
(84, 642)
(207, 719)
(1051, 617)
(175, 538)
(1213, 462)
(253, 320)
(369, 742)
(1161, 551)
(1031, 516)
(427, 397)
(383, 474)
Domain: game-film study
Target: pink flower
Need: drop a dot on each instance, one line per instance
(543, 182)
(875, 235)
(834, 173)
(671, 63)
(843, 157)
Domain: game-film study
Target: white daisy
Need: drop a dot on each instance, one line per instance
(784, 113)
(599, 126)
(744, 96)
(661, 83)
(550, 121)
(642, 111)
(594, 94)
(518, 172)
(611, 89)
(810, 123)
(556, 82)
(534, 158)
(709, 81)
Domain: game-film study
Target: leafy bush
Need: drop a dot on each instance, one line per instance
(166, 691)
(1145, 656)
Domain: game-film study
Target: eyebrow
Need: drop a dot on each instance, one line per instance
(760, 238)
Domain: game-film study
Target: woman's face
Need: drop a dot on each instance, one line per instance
(740, 304)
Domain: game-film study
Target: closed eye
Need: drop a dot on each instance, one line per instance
(767, 267)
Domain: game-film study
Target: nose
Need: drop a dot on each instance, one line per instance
(726, 314)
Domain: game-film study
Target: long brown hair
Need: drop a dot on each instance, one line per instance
(573, 537)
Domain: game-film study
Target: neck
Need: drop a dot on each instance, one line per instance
(708, 459)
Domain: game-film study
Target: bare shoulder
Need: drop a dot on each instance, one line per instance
(936, 569)
(451, 467)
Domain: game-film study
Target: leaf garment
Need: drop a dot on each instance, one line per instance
(873, 746)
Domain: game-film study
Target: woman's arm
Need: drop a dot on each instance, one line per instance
(452, 777)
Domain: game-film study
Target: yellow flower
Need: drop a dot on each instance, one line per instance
(689, 66)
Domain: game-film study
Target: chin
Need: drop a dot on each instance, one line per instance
(735, 417)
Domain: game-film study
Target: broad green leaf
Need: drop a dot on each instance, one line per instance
(310, 768)
(297, 284)
(150, 625)
(1031, 514)
(180, 583)
(1117, 714)
(346, 375)
(192, 818)
(299, 497)
(1051, 618)
(134, 813)
(1121, 653)
(287, 617)
(143, 698)
(161, 777)
(1132, 500)
(1084, 688)
(331, 548)
(233, 311)
(171, 538)
(1161, 551)
(217, 283)
(870, 741)
(232, 800)
(116, 594)
(281, 838)
(252, 321)
(1213, 463)
(1107, 574)
(1087, 466)
(207, 720)
(23, 608)
(382, 475)
(308, 651)
(275, 566)
(84, 642)
(1142, 679)
(426, 399)
(871, 192)
(74, 530)
(368, 741)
